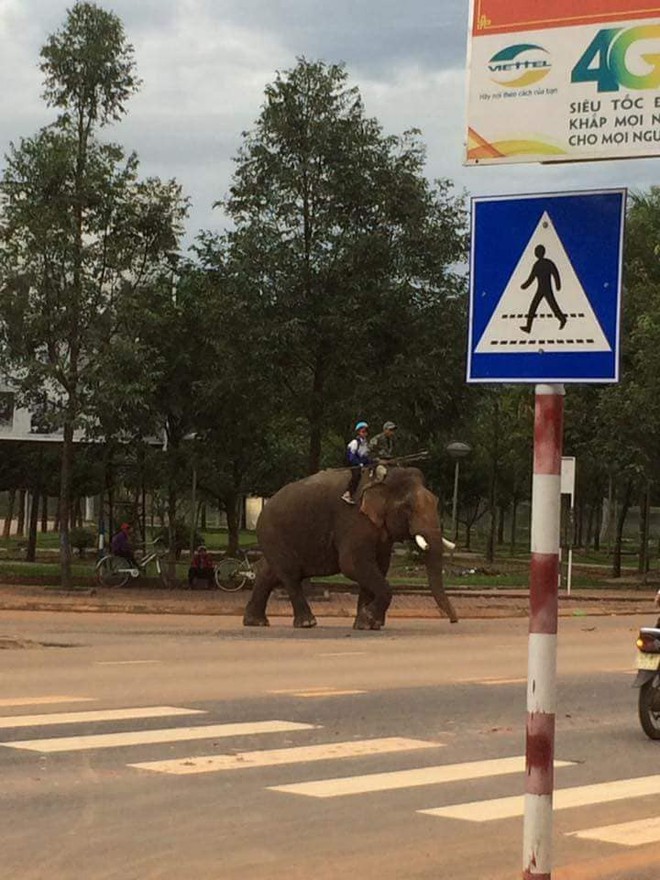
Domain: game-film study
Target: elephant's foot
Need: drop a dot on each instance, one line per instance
(250, 619)
(366, 620)
(304, 622)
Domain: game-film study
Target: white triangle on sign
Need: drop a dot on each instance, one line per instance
(504, 332)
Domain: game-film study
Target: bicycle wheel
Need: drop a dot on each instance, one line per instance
(112, 571)
(231, 574)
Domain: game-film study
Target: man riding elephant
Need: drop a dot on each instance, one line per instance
(305, 530)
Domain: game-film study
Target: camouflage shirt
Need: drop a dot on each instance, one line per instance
(381, 446)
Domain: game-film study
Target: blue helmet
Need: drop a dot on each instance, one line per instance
(360, 425)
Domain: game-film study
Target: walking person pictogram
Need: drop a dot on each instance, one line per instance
(544, 272)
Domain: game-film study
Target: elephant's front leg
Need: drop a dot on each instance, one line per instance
(374, 598)
(265, 581)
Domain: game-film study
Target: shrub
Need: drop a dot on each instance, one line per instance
(82, 539)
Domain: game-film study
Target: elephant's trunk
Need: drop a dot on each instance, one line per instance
(431, 543)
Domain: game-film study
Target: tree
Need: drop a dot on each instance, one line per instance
(78, 228)
(345, 247)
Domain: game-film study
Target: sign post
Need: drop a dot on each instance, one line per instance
(543, 616)
(545, 288)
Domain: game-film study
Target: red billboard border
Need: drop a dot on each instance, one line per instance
(508, 16)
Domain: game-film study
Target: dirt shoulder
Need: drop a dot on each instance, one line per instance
(473, 603)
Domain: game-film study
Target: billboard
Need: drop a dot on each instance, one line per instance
(563, 80)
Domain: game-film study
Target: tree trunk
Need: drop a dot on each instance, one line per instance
(514, 517)
(66, 472)
(44, 513)
(20, 519)
(644, 520)
(599, 513)
(11, 500)
(500, 525)
(620, 522)
(492, 502)
(316, 414)
(31, 554)
(607, 508)
(233, 523)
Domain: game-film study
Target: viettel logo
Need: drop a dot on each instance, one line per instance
(519, 66)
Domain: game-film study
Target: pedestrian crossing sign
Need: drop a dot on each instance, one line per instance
(545, 287)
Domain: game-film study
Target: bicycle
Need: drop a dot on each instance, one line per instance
(114, 571)
(232, 574)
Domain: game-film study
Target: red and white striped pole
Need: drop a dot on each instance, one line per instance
(542, 662)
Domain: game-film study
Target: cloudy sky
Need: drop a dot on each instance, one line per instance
(204, 65)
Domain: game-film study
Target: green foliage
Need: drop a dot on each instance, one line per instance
(182, 536)
(81, 540)
(343, 256)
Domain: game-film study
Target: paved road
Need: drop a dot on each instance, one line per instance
(187, 747)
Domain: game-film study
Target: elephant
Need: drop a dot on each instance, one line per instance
(307, 530)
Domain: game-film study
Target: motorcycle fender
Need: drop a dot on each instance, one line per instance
(643, 676)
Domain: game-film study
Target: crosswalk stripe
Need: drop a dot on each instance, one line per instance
(328, 788)
(317, 692)
(148, 737)
(564, 798)
(43, 701)
(637, 833)
(95, 715)
(277, 757)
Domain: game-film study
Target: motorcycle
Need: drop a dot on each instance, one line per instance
(648, 679)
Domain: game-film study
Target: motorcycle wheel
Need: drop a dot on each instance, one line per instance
(649, 707)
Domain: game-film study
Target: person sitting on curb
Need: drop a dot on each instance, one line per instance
(381, 447)
(202, 567)
(357, 453)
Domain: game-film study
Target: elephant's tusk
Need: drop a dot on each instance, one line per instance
(448, 544)
(421, 542)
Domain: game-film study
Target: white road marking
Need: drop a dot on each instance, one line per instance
(637, 833)
(328, 788)
(495, 681)
(344, 654)
(43, 701)
(317, 692)
(564, 798)
(490, 681)
(276, 757)
(301, 689)
(148, 737)
(95, 715)
(123, 662)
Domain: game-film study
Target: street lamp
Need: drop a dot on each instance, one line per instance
(457, 451)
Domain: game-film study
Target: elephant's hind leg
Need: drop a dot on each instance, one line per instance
(265, 581)
(303, 616)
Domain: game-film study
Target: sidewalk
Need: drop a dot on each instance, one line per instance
(334, 602)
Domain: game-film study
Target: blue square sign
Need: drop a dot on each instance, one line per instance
(545, 287)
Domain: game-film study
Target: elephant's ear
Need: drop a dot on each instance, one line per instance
(373, 504)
